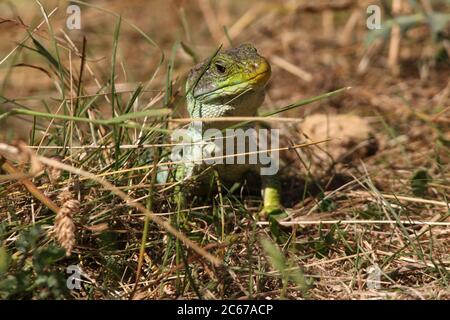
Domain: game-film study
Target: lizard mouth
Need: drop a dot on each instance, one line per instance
(260, 77)
(256, 81)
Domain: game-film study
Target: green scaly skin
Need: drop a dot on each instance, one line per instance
(232, 83)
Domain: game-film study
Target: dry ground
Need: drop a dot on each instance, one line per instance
(368, 211)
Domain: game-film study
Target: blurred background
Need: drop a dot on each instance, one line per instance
(390, 130)
(314, 47)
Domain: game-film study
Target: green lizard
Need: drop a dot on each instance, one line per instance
(229, 84)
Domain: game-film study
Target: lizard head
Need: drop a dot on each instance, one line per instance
(230, 83)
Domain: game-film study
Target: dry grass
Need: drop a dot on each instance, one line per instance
(371, 222)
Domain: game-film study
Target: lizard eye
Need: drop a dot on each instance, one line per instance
(220, 68)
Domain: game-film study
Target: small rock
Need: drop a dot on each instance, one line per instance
(351, 138)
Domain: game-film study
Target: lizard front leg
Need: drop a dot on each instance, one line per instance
(271, 190)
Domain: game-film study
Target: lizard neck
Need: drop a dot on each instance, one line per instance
(244, 105)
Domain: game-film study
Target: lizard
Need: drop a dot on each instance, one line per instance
(231, 83)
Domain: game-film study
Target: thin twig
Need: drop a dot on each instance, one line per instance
(318, 222)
